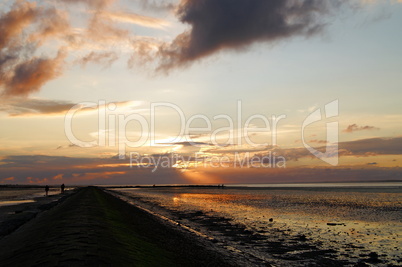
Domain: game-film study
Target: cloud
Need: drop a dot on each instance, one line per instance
(137, 19)
(159, 5)
(300, 174)
(30, 75)
(144, 51)
(357, 148)
(15, 21)
(374, 146)
(318, 141)
(97, 4)
(355, 128)
(21, 72)
(22, 107)
(28, 30)
(103, 29)
(185, 143)
(74, 171)
(52, 22)
(34, 106)
(39, 40)
(69, 170)
(68, 146)
(105, 58)
(235, 24)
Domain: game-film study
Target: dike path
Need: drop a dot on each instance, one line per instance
(94, 228)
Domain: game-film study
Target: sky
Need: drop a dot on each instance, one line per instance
(200, 91)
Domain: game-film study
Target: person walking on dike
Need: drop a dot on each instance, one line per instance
(47, 190)
(62, 188)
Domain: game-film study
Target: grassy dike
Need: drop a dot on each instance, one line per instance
(93, 228)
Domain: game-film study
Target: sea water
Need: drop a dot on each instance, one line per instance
(15, 196)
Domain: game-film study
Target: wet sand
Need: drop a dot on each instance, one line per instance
(93, 228)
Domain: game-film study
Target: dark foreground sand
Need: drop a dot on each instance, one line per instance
(93, 228)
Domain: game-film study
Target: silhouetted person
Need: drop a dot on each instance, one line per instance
(47, 190)
(62, 188)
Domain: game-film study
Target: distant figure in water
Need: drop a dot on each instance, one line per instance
(47, 190)
(62, 188)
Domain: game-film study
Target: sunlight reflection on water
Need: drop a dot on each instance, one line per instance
(361, 221)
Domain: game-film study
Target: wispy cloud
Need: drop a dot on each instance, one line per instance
(355, 128)
(137, 19)
(24, 107)
(104, 58)
(96, 4)
(34, 106)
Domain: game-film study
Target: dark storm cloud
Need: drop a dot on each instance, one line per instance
(235, 24)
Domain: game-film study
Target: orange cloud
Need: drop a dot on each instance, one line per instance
(133, 18)
(58, 177)
(21, 72)
(52, 23)
(13, 23)
(29, 76)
